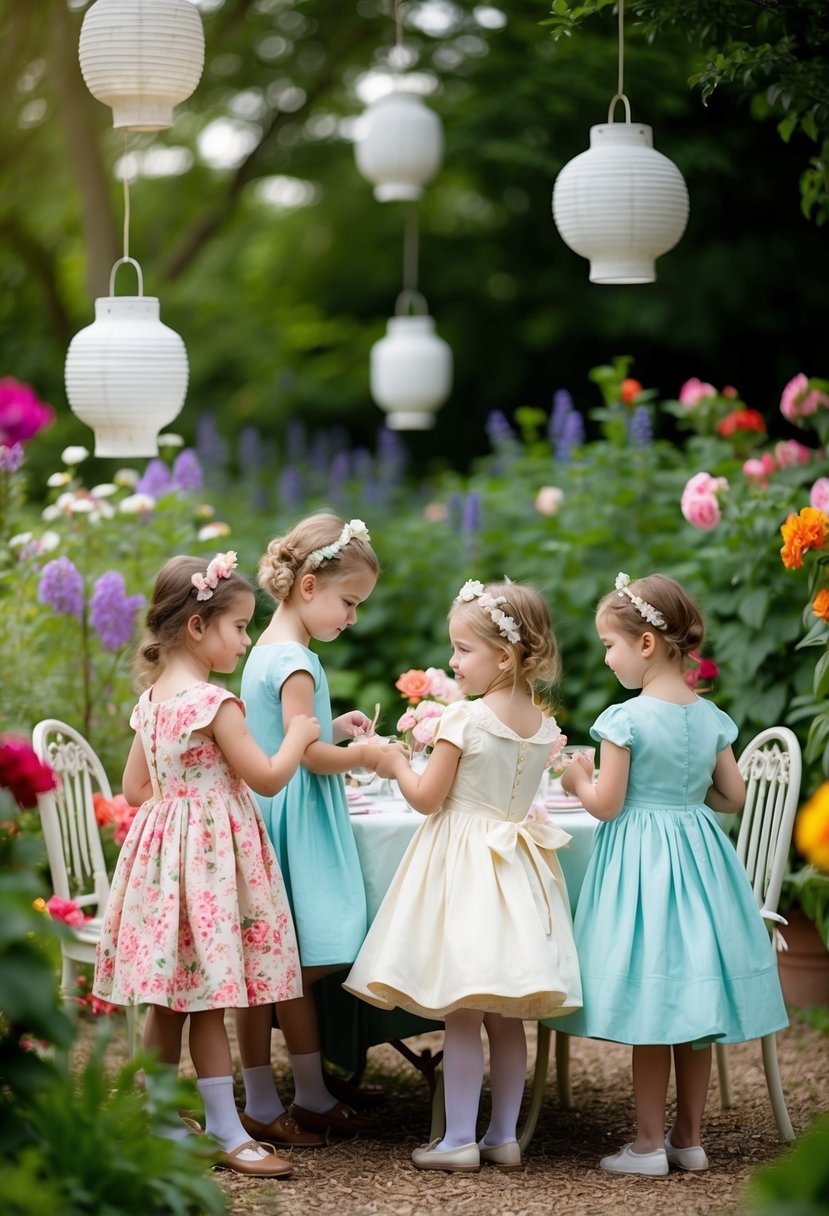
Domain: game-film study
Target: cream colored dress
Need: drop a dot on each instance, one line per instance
(478, 916)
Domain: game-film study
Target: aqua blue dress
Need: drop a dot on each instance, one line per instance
(671, 944)
(308, 819)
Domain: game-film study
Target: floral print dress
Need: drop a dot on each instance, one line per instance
(197, 916)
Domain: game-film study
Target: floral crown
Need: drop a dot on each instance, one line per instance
(652, 615)
(355, 529)
(222, 566)
(474, 590)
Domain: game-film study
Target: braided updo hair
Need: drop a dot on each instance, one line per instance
(535, 656)
(286, 558)
(684, 627)
(172, 605)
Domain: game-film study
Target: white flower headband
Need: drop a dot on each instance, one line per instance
(474, 590)
(355, 529)
(222, 566)
(652, 615)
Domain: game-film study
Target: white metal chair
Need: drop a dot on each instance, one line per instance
(73, 845)
(771, 766)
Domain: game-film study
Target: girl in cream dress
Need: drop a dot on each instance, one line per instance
(475, 928)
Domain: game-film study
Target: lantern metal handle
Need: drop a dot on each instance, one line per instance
(618, 97)
(121, 262)
(411, 299)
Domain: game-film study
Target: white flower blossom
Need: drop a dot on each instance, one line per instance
(170, 440)
(136, 504)
(213, 531)
(74, 455)
(126, 478)
(105, 490)
(21, 539)
(56, 480)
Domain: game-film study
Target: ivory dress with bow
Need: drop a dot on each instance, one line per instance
(477, 915)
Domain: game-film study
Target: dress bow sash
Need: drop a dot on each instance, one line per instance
(531, 835)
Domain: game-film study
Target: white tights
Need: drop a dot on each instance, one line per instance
(463, 1072)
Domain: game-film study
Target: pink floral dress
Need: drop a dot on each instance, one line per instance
(197, 916)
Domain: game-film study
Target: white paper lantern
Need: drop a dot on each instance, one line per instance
(126, 374)
(411, 373)
(400, 148)
(621, 204)
(142, 57)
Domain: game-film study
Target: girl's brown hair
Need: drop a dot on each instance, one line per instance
(684, 627)
(535, 656)
(286, 558)
(172, 605)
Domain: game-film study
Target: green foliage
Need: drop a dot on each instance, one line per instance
(797, 1184)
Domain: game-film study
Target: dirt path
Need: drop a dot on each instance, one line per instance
(375, 1177)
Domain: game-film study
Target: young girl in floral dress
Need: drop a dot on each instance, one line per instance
(197, 921)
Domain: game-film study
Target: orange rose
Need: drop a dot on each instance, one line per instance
(808, 530)
(820, 604)
(629, 391)
(414, 685)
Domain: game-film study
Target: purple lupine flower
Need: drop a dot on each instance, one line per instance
(11, 457)
(498, 429)
(249, 449)
(318, 454)
(391, 452)
(295, 441)
(291, 489)
(363, 464)
(471, 520)
(187, 472)
(454, 511)
(113, 612)
(640, 432)
(572, 435)
(156, 480)
(338, 475)
(562, 408)
(211, 448)
(22, 413)
(61, 587)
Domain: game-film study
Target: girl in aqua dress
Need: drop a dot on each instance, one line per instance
(318, 574)
(674, 954)
(197, 920)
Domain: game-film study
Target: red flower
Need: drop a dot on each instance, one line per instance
(629, 391)
(22, 772)
(741, 420)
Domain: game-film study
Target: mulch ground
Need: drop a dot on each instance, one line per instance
(373, 1176)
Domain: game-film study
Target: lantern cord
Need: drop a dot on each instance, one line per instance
(126, 200)
(398, 25)
(410, 247)
(620, 90)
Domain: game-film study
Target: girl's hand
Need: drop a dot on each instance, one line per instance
(353, 725)
(303, 729)
(571, 779)
(388, 762)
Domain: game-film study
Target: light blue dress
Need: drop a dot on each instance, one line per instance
(308, 819)
(671, 943)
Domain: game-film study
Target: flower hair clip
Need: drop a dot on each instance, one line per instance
(652, 615)
(222, 566)
(473, 589)
(355, 529)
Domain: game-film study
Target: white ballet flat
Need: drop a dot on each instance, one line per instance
(506, 1156)
(691, 1158)
(654, 1164)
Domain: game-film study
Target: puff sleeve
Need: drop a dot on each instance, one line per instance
(615, 725)
(726, 729)
(454, 725)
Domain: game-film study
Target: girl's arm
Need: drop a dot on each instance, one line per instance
(351, 725)
(136, 783)
(325, 758)
(728, 790)
(265, 774)
(606, 798)
(426, 791)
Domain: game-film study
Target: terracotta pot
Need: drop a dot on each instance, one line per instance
(804, 967)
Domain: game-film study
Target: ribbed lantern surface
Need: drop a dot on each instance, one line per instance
(401, 147)
(142, 57)
(126, 375)
(411, 373)
(621, 204)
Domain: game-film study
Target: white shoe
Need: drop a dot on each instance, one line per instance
(506, 1156)
(465, 1159)
(654, 1164)
(691, 1158)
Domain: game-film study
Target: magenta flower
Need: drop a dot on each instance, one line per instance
(61, 587)
(22, 413)
(113, 612)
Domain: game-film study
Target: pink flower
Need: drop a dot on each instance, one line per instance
(444, 688)
(789, 452)
(548, 500)
(693, 391)
(423, 732)
(67, 911)
(22, 414)
(537, 813)
(699, 503)
(758, 470)
(428, 709)
(819, 495)
(407, 721)
(798, 400)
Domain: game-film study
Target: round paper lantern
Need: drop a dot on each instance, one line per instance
(411, 373)
(142, 57)
(621, 204)
(126, 374)
(400, 148)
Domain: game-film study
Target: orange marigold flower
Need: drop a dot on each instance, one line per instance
(811, 829)
(820, 604)
(808, 530)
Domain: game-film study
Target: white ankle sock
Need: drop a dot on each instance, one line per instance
(311, 1093)
(221, 1118)
(261, 1099)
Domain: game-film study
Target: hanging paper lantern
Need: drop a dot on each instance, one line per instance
(621, 204)
(142, 57)
(126, 374)
(401, 146)
(411, 373)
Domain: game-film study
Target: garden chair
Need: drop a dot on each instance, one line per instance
(771, 766)
(73, 846)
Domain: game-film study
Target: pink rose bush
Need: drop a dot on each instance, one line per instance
(700, 500)
(428, 693)
(802, 398)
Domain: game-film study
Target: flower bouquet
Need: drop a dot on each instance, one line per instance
(428, 693)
